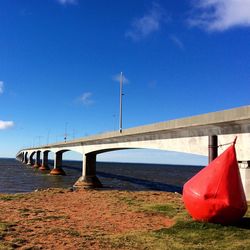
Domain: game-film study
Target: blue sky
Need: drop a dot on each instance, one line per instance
(59, 62)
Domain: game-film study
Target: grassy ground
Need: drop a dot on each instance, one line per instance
(185, 233)
(182, 233)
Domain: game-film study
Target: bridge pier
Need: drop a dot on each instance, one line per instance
(57, 170)
(29, 161)
(88, 178)
(37, 160)
(20, 157)
(244, 167)
(25, 160)
(45, 161)
(212, 147)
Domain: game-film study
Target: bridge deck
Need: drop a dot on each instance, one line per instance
(233, 121)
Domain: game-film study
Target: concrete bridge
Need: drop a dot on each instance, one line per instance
(202, 135)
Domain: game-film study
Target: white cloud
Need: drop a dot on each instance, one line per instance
(86, 98)
(147, 24)
(117, 78)
(1, 87)
(64, 2)
(6, 124)
(177, 41)
(220, 15)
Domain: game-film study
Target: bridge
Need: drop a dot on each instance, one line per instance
(201, 134)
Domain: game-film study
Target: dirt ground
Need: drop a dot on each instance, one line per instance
(83, 219)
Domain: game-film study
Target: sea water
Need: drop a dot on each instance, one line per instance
(16, 177)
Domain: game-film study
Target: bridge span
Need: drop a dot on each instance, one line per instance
(201, 134)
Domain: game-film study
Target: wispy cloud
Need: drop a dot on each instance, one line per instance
(117, 78)
(177, 41)
(65, 2)
(6, 124)
(220, 15)
(147, 24)
(1, 87)
(86, 99)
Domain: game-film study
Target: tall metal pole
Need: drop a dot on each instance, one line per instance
(65, 134)
(48, 137)
(39, 139)
(120, 126)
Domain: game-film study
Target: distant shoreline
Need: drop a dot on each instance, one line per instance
(116, 162)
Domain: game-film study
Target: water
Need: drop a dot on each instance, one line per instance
(16, 177)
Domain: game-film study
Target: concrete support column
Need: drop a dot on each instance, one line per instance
(212, 147)
(88, 178)
(20, 157)
(37, 160)
(45, 161)
(57, 170)
(29, 161)
(244, 167)
(25, 159)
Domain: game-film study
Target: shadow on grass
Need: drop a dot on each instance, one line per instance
(244, 223)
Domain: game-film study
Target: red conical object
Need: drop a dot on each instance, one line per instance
(216, 194)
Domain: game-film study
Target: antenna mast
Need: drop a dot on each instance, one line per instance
(121, 94)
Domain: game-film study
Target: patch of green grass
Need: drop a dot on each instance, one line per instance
(196, 235)
(5, 246)
(185, 235)
(25, 212)
(248, 211)
(129, 200)
(32, 248)
(56, 217)
(170, 210)
(18, 242)
(11, 197)
(3, 226)
(73, 233)
(129, 241)
(53, 230)
(39, 211)
(5, 229)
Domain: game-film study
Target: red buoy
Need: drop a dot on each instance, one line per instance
(216, 194)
